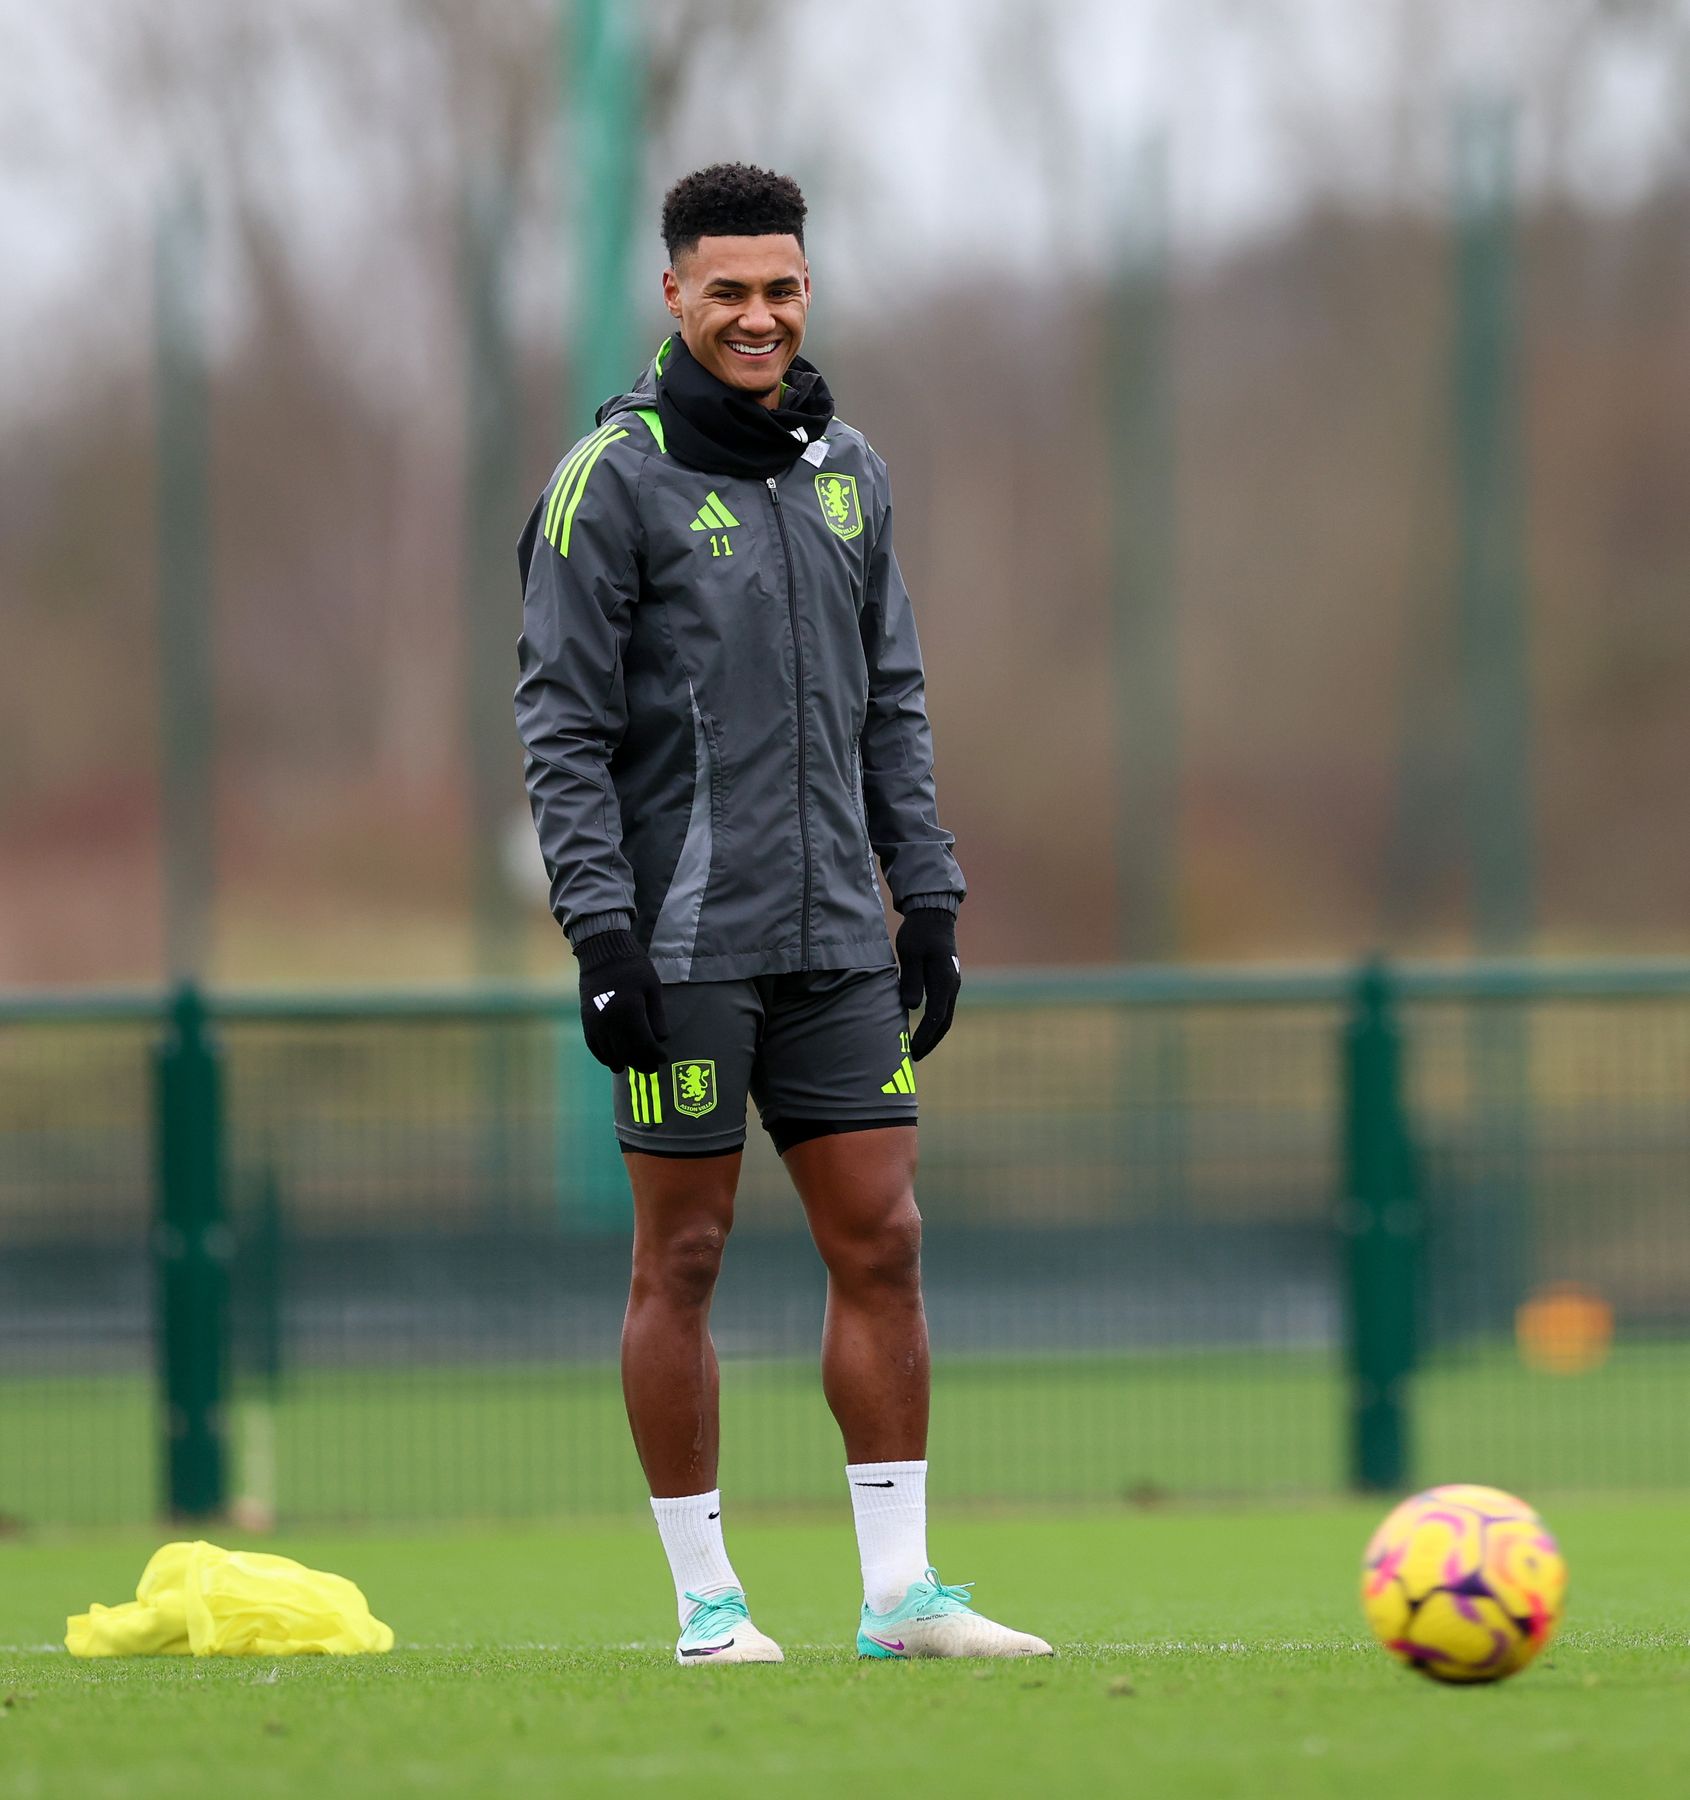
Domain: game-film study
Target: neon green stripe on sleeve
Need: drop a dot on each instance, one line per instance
(554, 507)
(580, 487)
(655, 426)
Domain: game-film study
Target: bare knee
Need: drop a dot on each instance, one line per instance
(883, 1252)
(680, 1263)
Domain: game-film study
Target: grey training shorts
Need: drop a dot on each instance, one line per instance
(830, 1045)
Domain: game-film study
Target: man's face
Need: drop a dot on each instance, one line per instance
(742, 302)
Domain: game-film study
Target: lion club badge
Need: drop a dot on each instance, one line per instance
(840, 506)
(695, 1088)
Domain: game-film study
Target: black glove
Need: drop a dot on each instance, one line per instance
(621, 1002)
(928, 965)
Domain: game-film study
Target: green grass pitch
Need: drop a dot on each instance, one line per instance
(1204, 1653)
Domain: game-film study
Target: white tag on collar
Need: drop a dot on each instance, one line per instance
(817, 453)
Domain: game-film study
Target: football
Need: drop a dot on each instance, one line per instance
(1463, 1584)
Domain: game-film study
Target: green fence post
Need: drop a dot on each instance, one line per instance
(191, 1255)
(1489, 468)
(1382, 1230)
(603, 89)
(187, 681)
(1139, 410)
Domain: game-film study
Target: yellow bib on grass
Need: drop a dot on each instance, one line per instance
(197, 1600)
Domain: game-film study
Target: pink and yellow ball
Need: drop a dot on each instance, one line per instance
(1463, 1583)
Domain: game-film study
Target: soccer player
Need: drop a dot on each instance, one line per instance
(722, 704)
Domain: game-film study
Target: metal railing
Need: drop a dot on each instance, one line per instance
(1188, 1230)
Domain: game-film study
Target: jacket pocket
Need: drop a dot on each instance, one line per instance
(861, 806)
(676, 932)
(718, 782)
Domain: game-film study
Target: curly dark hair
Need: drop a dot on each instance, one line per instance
(731, 200)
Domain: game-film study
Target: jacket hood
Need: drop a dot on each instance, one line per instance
(643, 393)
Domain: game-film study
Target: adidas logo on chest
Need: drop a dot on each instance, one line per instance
(716, 517)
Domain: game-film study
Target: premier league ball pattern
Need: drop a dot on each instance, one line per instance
(1463, 1584)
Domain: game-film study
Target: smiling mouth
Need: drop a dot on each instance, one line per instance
(741, 348)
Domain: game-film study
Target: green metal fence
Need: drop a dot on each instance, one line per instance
(1187, 1233)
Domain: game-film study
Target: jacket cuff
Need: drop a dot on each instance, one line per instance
(592, 924)
(607, 947)
(932, 903)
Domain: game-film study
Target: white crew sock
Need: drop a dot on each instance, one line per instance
(890, 1503)
(691, 1529)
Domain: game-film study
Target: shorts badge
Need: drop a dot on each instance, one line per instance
(695, 1088)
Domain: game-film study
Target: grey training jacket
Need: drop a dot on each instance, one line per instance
(722, 703)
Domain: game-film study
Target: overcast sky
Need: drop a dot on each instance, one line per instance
(982, 133)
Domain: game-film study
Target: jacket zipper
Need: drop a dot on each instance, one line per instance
(798, 671)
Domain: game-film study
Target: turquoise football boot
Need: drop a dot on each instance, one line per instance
(719, 1630)
(935, 1620)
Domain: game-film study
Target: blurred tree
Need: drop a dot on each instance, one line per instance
(964, 255)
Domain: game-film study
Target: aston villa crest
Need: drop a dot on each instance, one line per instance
(695, 1088)
(840, 506)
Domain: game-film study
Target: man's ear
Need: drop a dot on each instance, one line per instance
(672, 292)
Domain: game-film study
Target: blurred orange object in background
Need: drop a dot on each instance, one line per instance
(1564, 1329)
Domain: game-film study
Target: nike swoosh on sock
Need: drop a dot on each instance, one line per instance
(715, 1515)
(874, 1484)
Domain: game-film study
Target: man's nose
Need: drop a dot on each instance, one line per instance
(756, 316)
